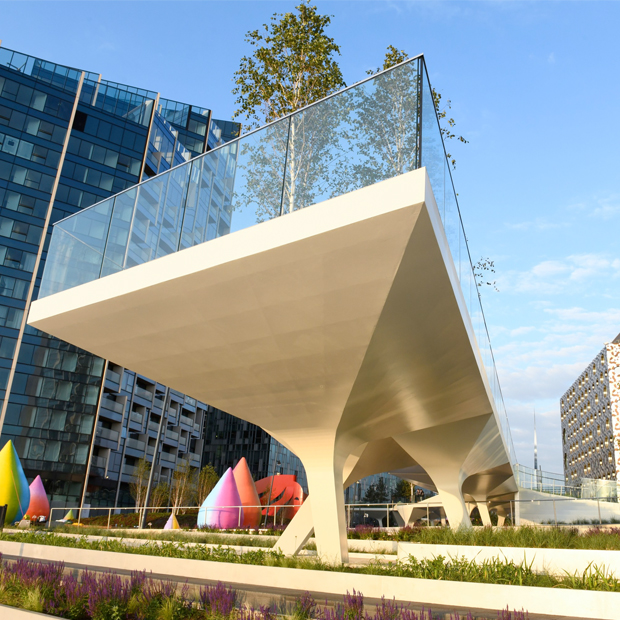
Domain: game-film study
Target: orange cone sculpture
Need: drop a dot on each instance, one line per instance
(39, 504)
(247, 493)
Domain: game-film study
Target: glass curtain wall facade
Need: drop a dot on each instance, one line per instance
(69, 139)
(377, 129)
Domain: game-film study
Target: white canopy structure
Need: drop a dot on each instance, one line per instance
(342, 329)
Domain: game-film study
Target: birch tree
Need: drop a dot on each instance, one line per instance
(293, 65)
(183, 486)
(139, 484)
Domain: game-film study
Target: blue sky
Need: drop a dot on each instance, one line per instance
(535, 89)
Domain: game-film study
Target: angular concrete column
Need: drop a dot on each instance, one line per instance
(449, 492)
(328, 514)
(299, 530)
(483, 509)
(442, 450)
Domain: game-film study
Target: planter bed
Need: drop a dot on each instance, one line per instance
(323, 583)
(551, 561)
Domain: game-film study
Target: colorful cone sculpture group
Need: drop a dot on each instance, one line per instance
(236, 488)
(14, 489)
(39, 504)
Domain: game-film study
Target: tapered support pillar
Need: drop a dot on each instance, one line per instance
(483, 509)
(442, 451)
(451, 497)
(299, 530)
(328, 514)
(500, 520)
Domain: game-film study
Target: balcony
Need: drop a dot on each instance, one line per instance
(107, 433)
(110, 375)
(99, 461)
(168, 458)
(136, 444)
(173, 435)
(187, 421)
(112, 405)
(142, 393)
(136, 417)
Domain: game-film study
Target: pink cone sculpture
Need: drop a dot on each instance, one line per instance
(39, 504)
(217, 510)
(172, 523)
(247, 493)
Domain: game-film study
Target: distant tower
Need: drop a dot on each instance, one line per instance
(535, 444)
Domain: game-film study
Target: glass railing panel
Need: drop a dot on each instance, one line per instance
(452, 224)
(433, 154)
(76, 249)
(260, 165)
(172, 211)
(118, 235)
(194, 230)
(147, 221)
(356, 138)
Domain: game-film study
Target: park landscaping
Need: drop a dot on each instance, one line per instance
(530, 537)
(49, 589)
(492, 571)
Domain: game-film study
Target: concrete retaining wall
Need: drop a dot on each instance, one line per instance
(552, 561)
(13, 613)
(563, 603)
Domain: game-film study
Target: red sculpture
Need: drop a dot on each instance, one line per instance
(280, 490)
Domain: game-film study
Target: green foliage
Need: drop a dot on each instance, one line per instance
(207, 479)
(292, 66)
(139, 484)
(394, 57)
(376, 493)
(483, 270)
(403, 492)
(160, 495)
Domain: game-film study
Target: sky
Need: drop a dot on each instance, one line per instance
(534, 88)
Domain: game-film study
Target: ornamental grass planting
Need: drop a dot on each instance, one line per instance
(47, 588)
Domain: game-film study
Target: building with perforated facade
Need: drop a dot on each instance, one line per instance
(590, 413)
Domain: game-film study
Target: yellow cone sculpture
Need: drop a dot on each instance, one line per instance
(14, 489)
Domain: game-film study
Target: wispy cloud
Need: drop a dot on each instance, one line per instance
(600, 207)
(557, 275)
(537, 224)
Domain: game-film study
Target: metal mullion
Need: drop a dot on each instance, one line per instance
(92, 439)
(288, 139)
(122, 463)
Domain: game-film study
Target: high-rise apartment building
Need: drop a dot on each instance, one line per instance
(69, 139)
(590, 411)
